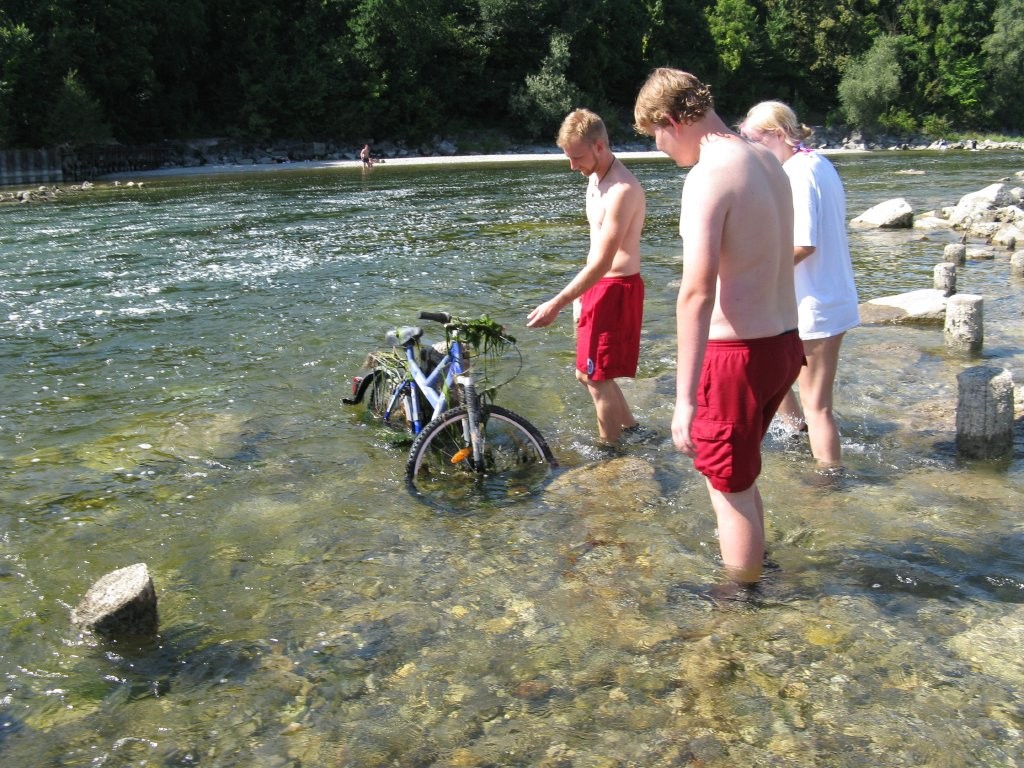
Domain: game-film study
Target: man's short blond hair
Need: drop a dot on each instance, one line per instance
(581, 125)
(671, 96)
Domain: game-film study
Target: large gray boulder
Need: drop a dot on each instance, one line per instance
(978, 206)
(892, 214)
(926, 305)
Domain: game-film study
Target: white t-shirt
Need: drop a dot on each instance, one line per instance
(825, 291)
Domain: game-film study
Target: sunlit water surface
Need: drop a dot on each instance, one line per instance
(173, 359)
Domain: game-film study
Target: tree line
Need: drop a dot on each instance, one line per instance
(142, 71)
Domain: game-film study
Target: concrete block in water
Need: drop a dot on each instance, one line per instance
(122, 603)
(955, 253)
(964, 324)
(984, 412)
(945, 278)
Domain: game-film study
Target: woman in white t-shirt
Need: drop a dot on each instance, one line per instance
(825, 290)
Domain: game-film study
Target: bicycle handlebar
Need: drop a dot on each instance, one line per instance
(438, 317)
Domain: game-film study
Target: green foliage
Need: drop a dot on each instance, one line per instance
(676, 33)
(936, 126)
(899, 121)
(732, 24)
(409, 69)
(76, 117)
(1004, 63)
(483, 334)
(959, 37)
(547, 96)
(871, 83)
(15, 48)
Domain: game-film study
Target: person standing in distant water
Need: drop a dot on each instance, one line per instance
(609, 287)
(738, 351)
(825, 289)
(364, 155)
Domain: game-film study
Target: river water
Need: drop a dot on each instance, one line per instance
(173, 359)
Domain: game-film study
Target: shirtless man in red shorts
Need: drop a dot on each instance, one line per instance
(610, 286)
(736, 314)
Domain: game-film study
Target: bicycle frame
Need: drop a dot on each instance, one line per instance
(448, 370)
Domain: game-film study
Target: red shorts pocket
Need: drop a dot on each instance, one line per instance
(730, 461)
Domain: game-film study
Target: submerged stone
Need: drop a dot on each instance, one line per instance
(122, 603)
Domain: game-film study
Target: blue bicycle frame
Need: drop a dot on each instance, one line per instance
(449, 367)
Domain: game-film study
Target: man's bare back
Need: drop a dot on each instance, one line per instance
(754, 291)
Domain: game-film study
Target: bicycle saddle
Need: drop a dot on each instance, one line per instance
(404, 334)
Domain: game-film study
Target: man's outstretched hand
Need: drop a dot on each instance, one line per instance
(543, 314)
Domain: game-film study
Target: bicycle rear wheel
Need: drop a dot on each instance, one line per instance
(516, 460)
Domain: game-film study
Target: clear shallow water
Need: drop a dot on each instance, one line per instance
(173, 360)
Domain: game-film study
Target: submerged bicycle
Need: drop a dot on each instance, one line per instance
(442, 394)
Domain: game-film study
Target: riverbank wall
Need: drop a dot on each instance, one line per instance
(30, 166)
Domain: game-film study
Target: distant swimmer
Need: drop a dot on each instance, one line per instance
(364, 155)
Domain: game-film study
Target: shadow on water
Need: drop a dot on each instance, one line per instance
(181, 660)
(931, 570)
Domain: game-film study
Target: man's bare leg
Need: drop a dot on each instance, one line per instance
(741, 535)
(613, 413)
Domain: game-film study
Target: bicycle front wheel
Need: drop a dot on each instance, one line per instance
(516, 458)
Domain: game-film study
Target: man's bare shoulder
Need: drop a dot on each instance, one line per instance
(619, 174)
(621, 184)
(726, 163)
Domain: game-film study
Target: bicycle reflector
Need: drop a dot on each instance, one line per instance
(461, 455)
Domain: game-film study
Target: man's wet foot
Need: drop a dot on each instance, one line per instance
(639, 435)
(732, 592)
(598, 450)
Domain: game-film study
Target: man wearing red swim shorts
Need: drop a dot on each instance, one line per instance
(610, 286)
(736, 314)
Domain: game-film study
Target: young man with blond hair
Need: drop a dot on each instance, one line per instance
(736, 313)
(609, 286)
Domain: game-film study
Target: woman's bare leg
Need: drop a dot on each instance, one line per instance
(816, 381)
(790, 413)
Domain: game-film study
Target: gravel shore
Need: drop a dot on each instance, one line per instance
(379, 165)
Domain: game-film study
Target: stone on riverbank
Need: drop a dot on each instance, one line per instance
(955, 253)
(122, 603)
(892, 214)
(924, 305)
(964, 324)
(1008, 236)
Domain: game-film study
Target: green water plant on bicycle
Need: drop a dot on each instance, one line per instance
(483, 334)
